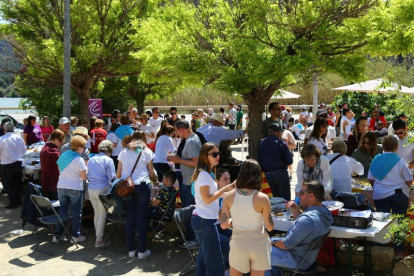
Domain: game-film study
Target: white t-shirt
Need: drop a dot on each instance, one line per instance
(310, 118)
(70, 178)
(297, 129)
(148, 129)
(341, 170)
(163, 147)
(395, 179)
(405, 149)
(203, 210)
(114, 139)
(330, 135)
(320, 144)
(129, 157)
(155, 123)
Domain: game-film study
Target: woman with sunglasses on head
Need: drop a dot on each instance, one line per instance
(355, 138)
(32, 132)
(249, 210)
(313, 166)
(318, 135)
(210, 258)
(367, 151)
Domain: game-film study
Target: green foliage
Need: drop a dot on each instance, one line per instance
(100, 44)
(359, 102)
(48, 102)
(401, 230)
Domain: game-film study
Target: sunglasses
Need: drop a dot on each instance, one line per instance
(214, 154)
(173, 114)
(302, 192)
(400, 133)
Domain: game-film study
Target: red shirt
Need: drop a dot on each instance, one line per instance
(97, 136)
(373, 120)
(49, 168)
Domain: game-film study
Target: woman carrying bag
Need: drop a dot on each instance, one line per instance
(135, 161)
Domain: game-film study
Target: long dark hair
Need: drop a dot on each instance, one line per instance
(203, 161)
(355, 131)
(30, 119)
(372, 139)
(319, 122)
(250, 176)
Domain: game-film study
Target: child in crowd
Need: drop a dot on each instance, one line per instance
(160, 198)
(223, 179)
(98, 134)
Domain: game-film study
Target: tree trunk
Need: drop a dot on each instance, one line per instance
(255, 123)
(83, 97)
(256, 100)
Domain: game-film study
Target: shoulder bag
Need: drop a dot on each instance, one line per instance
(127, 186)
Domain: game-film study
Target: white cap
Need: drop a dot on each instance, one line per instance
(64, 121)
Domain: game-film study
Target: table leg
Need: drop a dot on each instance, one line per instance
(349, 247)
(367, 258)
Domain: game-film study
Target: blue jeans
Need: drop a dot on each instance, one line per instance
(279, 183)
(398, 203)
(210, 259)
(74, 199)
(280, 258)
(187, 199)
(136, 217)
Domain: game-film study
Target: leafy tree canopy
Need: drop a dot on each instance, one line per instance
(100, 44)
(255, 47)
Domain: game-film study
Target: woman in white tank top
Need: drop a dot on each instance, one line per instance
(248, 208)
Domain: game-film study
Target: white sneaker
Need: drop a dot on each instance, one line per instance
(144, 255)
(132, 254)
(78, 239)
(55, 239)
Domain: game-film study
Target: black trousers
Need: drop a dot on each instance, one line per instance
(161, 168)
(11, 175)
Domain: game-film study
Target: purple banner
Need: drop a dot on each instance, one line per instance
(95, 108)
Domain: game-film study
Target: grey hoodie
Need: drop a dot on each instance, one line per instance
(312, 223)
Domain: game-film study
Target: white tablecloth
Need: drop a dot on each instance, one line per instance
(376, 232)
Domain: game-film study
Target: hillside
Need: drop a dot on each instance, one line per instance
(9, 66)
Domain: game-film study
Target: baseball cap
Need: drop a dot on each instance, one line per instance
(217, 117)
(321, 112)
(274, 127)
(63, 121)
(303, 106)
(323, 104)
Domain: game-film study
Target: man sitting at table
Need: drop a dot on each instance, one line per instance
(309, 225)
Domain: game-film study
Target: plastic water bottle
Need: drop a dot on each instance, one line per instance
(18, 232)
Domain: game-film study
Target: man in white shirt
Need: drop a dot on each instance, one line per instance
(12, 148)
(215, 132)
(232, 116)
(405, 148)
(391, 129)
(342, 167)
(155, 121)
(331, 134)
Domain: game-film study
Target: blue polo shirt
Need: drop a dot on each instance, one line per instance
(273, 153)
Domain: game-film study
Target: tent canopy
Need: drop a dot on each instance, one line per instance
(373, 87)
(285, 95)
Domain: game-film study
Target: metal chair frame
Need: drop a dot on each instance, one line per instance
(43, 202)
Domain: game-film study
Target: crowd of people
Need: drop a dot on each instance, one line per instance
(90, 156)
